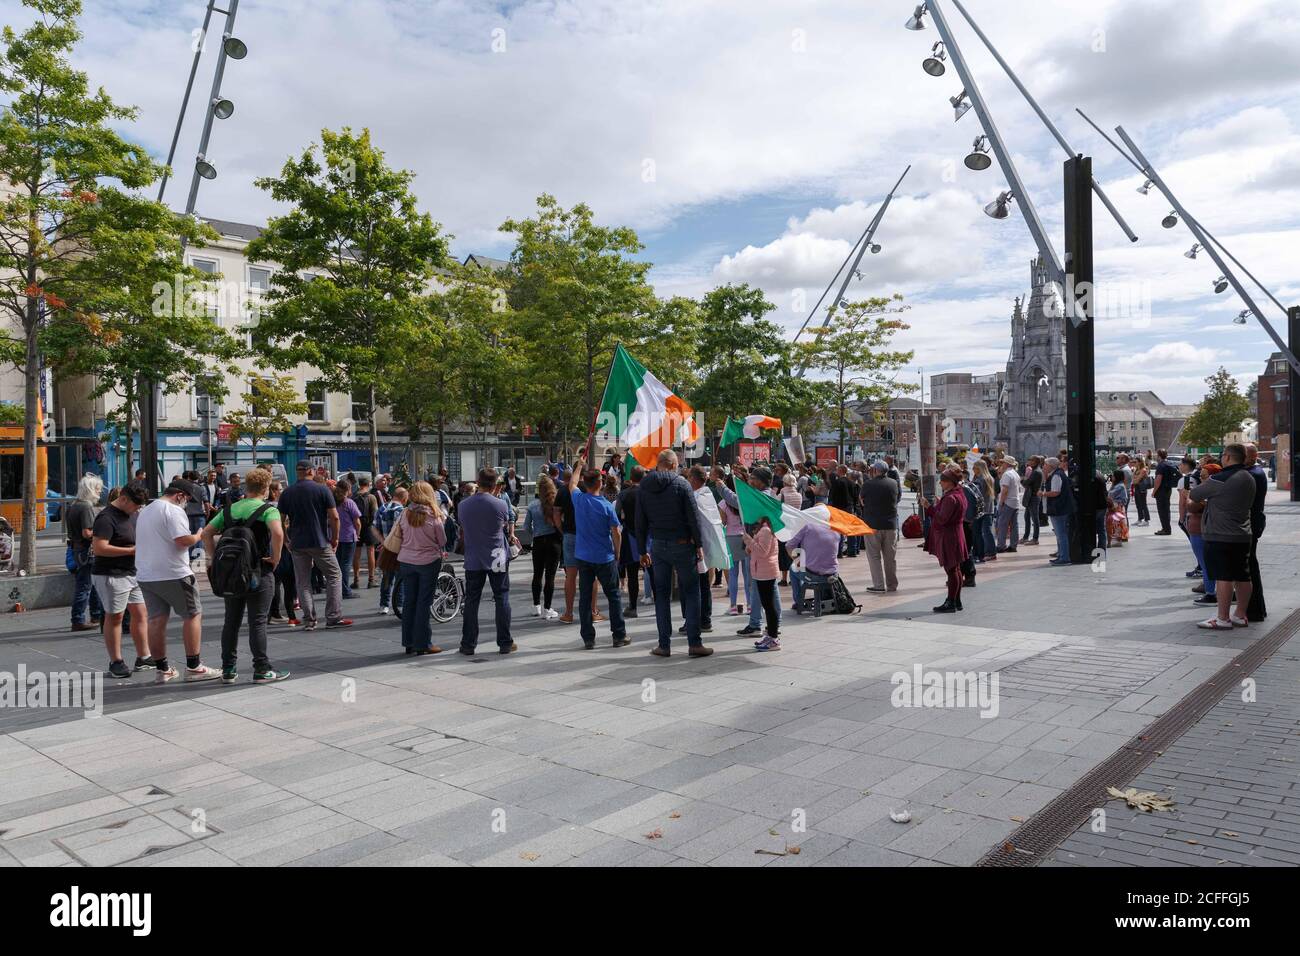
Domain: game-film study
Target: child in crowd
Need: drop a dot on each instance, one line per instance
(762, 550)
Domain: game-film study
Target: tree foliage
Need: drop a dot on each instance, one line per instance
(1220, 412)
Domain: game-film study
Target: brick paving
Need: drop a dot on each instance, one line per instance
(560, 756)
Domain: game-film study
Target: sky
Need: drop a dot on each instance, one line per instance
(752, 141)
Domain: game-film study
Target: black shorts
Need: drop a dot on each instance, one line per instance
(1228, 560)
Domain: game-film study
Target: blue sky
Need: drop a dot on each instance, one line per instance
(773, 131)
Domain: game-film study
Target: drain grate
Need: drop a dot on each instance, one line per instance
(1030, 843)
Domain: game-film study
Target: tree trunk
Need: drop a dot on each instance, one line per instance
(442, 443)
(374, 434)
(31, 393)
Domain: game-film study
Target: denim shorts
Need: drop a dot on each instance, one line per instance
(570, 548)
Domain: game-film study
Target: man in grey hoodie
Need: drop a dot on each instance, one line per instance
(1226, 530)
(668, 532)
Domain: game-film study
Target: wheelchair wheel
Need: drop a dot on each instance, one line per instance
(448, 598)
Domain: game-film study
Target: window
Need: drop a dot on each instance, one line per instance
(360, 397)
(259, 279)
(205, 265)
(317, 401)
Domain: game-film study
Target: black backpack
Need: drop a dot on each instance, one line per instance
(841, 600)
(237, 561)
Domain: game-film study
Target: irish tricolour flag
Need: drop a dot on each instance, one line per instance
(641, 413)
(786, 521)
(747, 427)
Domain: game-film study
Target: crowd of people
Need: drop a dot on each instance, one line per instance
(666, 536)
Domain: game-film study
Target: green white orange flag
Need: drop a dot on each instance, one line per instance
(748, 427)
(786, 521)
(641, 413)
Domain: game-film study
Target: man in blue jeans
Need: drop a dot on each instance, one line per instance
(665, 515)
(485, 525)
(1058, 494)
(598, 540)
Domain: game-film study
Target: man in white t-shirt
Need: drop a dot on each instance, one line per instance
(1009, 504)
(162, 544)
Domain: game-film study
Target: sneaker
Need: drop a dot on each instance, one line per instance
(622, 641)
(733, 610)
(1214, 624)
(385, 610)
(1199, 589)
(550, 615)
(1206, 599)
(1238, 621)
(537, 610)
(268, 676)
(630, 612)
(597, 617)
(749, 629)
(768, 644)
(1193, 574)
(510, 649)
(163, 676)
(229, 675)
(143, 664)
(341, 622)
(309, 625)
(589, 645)
(277, 620)
(467, 651)
(118, 669)
(293, 622)
(201, 673)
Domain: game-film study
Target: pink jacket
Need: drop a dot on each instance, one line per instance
(762, 548)
(422, 545)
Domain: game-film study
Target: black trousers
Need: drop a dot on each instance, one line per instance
(1162, 509)
(1256, 611)
(767, 598)
(546, 558)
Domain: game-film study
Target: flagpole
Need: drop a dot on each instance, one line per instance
(591, 430)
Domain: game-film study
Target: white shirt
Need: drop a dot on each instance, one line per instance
(157, 556)
(1011, 482)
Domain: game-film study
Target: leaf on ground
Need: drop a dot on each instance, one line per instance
(1145, 800)
(655, 834)
(1017, 819)
(767, 853)
(1228, 833)
(792, 850)
(674, 815)
(529, 856)
(772, 833)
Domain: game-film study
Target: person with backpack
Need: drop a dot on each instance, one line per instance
(241, 567)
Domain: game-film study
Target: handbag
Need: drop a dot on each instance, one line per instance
(391, 546)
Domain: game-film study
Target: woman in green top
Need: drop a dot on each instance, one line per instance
(256, 603)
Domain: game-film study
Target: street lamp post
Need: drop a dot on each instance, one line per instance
(218, 108)
(1081, 400)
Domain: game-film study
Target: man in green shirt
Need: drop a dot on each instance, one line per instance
(269, 532)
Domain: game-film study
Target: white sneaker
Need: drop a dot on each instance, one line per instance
(162, 677)
(202, 672)
(551, 615)
(537, 610)
(385, 610)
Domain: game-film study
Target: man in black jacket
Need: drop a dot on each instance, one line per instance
(668, 533)
(880, 512)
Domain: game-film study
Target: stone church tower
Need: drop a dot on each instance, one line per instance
(1031, 412)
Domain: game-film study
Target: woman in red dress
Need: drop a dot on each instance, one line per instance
(947, 540)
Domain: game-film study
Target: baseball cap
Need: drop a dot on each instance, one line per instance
(188, 488)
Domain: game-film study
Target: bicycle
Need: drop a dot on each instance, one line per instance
(448, 597)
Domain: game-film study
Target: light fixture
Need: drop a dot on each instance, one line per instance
(205, 168)
(235, 48)
(1146, 187)
(222, 109)
(1241, 318)
(1191, 253)
(915, 21)
(874, 247)
(933, 64)
(1170, 220)
(997, 209)
(960, 105)
(1113, 398)
(1221, 284)
(979, 154)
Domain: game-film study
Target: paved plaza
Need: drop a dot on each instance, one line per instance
(561, 756)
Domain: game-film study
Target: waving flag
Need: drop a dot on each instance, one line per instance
(748, 427)
(786, 521)
(645, 416)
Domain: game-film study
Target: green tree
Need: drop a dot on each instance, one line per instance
(140, 307)
(1221, 411)
(58, 146)
(854, 350)
(270, 406)
(356, 258)
(578, 293)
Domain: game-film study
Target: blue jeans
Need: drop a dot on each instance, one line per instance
(607, 574)
(984, 543)
(668, 557)
(474, 582)
(1198, 549)
(344, 555)
(756, 605)
(1061, 527)
(84, 596)
(739, 566)
(387, 592)
(418, 584)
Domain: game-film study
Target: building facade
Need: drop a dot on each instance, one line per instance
(1274, 391)
(1032, 409)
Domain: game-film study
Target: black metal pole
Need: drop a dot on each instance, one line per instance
(1080, 365)
(1293, 398)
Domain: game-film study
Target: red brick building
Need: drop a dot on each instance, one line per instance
(1274, 409)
